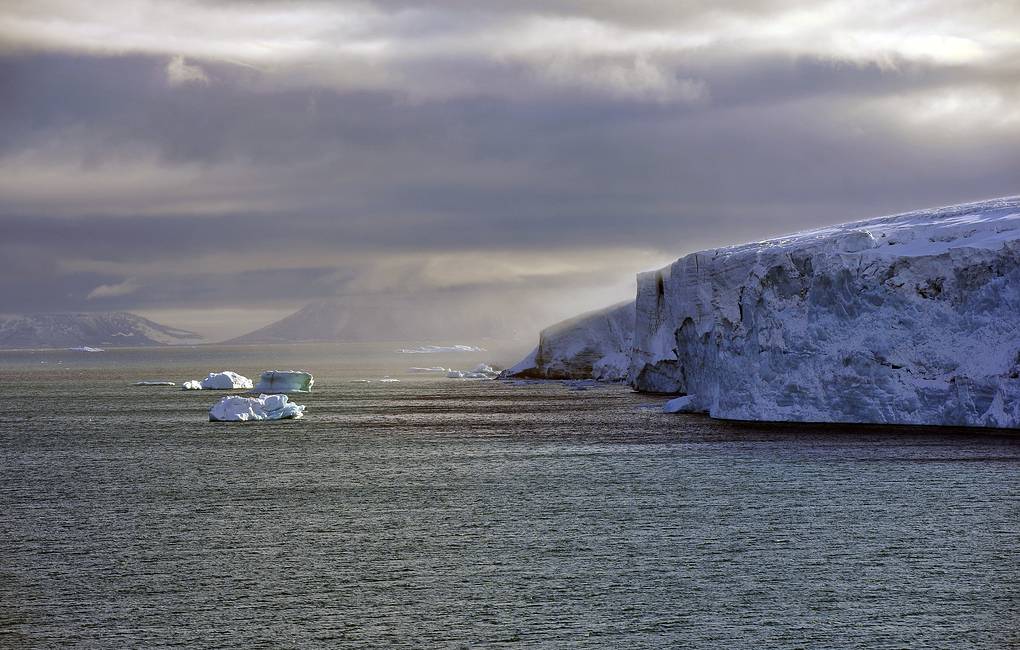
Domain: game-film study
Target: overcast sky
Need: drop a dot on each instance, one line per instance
(218, 164)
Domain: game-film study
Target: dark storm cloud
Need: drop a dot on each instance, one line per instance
(209, 169)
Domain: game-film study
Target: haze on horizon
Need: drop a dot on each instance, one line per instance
(216, 165)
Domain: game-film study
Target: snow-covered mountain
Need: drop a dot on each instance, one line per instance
(596, 345)
(383, 318)
(101, 329)
(906, 319)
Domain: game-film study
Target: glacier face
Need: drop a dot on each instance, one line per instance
(595, 345)
(907, 319)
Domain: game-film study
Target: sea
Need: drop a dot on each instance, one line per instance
(437, 513)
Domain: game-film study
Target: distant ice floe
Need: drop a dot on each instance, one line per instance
(226, 380)
(285, 381)
(155, 383)
(388, 380)
(361, 381)
(85, 348)
(481, 371)
(438, 369)
(434, 349)
(263, 407)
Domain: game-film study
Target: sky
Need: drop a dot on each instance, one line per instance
(217, 165)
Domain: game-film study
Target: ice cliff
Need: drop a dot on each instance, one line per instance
(906, 319)
(595, 345)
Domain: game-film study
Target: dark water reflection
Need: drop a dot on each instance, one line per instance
(439, 513)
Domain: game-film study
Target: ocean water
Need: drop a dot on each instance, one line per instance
(438, 513)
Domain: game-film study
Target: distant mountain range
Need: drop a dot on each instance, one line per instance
(371, 318)
(101, 329)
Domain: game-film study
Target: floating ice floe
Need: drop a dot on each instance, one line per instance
(481, 371)
(85, 348)
(685, 404)
(388, 380)
(434, 349)
(226, 380)
(285, 381)
(361, 381)
(155, 383)
(437, 369)
(263, 407)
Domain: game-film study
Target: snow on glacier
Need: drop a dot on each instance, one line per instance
(595, 345)
(264, 407)
(906, 319)
(285, 381)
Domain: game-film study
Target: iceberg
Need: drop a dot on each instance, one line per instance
(595, 345)
(155, 383)
(86, 348)
(226, 380)
(285, 381)
(438, 369)
(436, 349)
(264, 407)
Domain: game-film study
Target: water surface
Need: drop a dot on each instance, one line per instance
(433, 512)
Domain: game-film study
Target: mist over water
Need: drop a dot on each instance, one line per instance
(434, 512)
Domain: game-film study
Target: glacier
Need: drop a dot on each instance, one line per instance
(264, 407)
(595, 345)
(905, 319)
(285, 381)
(226, 380)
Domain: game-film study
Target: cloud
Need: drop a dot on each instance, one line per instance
(124, 288)
(179, 73)
(257, 155)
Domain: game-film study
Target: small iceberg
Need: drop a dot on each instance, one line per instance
(388, 380)
(683, 404)
(285, 381)
(435, 349)
(438, 369)
(85, 348)
(155, 383)
(264, 407)
(225, 380)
